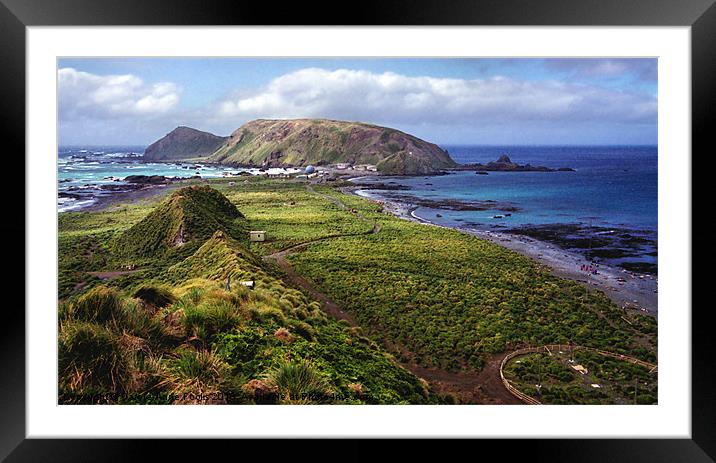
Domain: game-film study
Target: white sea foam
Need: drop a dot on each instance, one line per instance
(70, 204)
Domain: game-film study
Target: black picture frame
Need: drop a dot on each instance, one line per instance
(16, 15)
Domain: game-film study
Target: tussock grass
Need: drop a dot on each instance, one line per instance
(263, 312)
(304, 330)
(100, 304)
(156, 296)
(93, 359)
(298, 383)
(205, 320)
(197, 376)
(137, 321)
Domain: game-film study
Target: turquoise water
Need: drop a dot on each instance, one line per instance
(85, 174)
(607, 207)
(612, 187)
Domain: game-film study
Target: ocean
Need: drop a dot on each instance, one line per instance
(606, 209)
(87, 173)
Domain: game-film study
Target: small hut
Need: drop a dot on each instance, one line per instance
(258, 235)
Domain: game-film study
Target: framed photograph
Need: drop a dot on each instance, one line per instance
(415, 221)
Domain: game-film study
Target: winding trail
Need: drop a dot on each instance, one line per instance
(114, 274)
(484, 387)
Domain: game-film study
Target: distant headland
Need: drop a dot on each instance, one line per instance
(302, 142)
(268, 143)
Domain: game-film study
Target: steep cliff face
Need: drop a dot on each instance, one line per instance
(300, 142)
(183, 143)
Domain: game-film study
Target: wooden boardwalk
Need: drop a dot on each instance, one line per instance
(560, 348)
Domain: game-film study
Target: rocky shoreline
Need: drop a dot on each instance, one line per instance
(458, 204)
(622, 246)
(136, 187)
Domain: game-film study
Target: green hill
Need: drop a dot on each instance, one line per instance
(218, 258)
(178, 335)
(183, 143)
(300, 142)
(183, 221)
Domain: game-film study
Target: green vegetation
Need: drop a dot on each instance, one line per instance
(179, 224)
(452, 299)
(178, 334)
(616, 381)
(315, 141)
(297, 383)
(170, 330)
(155, 296)
(291, 214)
(213, 345)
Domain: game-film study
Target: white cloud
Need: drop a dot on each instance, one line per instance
(86, 95)
(398, 99)
(124, 108)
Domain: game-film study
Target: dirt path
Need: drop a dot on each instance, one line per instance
(113, 275)
(280, 259)
(297, 280)
(484, 387)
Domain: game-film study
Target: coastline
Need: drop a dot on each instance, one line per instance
(105, 201)
(632, 290)
(637, 292)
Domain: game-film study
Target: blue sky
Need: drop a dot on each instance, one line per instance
(128, 101)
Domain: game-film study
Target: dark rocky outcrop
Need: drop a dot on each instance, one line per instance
(505, 164)
(457, 204)
(147, 179)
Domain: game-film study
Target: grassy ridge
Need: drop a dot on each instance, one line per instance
(185, 219)
(178, 335)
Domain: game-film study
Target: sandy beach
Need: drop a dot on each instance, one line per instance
(627, 289)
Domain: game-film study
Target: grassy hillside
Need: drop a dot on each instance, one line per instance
(430, 296)
(180, 223)
(301, 142)
(177, 334)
